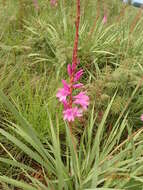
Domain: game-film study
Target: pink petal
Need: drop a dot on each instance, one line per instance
(141, 117)
(73, 67)
(66, 85)
(78, 75)
(82, 95)
(65, 103)
(71, 113)
(84, 104)
(82, 99)
(69, 68)
(104, 19)
(78, 85)
(62, 94)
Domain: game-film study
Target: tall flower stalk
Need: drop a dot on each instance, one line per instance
(74, 105)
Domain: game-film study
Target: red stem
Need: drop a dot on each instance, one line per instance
(75, 49)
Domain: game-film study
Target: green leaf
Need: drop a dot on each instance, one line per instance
(17, 183)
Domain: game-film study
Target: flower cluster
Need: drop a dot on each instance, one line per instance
(73, 105)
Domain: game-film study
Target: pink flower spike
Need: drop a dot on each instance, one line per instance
(141, 117)
(78, 75)
(69, 68)
(71, 113)
(62, 94)
(78, 85)
(82, 99)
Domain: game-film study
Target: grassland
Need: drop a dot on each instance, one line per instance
(37, 149)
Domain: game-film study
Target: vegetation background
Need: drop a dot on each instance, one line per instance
(37, 149)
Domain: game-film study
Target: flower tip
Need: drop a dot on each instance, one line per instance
(105, 19)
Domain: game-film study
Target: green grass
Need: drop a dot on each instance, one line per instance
(35, 48)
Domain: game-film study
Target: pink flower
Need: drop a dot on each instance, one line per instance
(53, 2)
(73, 105)
(71, 113)
(141, 117)
(78, 75)
(82, 99)
(62, 94)
(105, 19)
